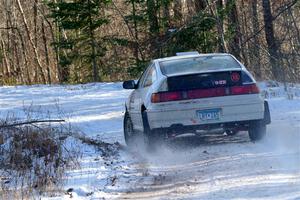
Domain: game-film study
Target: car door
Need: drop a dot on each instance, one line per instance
(136, 100)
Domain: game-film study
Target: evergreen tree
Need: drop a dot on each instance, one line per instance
(146, 26)
(80, 19)
(136, 21)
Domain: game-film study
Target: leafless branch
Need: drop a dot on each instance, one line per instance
(286, 7)
(31, 122)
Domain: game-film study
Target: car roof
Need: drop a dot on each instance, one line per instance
(157, 61)
(190, 56)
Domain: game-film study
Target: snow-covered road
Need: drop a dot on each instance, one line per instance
(206, 167)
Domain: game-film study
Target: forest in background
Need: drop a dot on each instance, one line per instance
(79, 41)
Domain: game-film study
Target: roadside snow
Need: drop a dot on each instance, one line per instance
(209, 167)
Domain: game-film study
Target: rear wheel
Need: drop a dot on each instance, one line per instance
(151, 137)
(257, 130)
(129, 133)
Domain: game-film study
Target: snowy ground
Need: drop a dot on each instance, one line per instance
(207, 167)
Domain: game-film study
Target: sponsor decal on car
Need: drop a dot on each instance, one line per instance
(235, 77)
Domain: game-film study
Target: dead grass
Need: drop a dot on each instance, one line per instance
(33, 159)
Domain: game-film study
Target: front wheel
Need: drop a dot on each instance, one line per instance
(257, 131)
(129, 133)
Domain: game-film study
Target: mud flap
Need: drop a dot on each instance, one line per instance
(267, 116)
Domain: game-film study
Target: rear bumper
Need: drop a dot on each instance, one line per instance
(189, 119)
(180, 129)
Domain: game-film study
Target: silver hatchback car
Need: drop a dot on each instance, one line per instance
(192, 94)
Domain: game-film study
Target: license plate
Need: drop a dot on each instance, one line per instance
(209, 114)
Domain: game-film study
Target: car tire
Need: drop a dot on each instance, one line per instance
(151, 137)
(257, 130)
(129, 133)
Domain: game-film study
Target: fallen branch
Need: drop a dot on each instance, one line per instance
(31, 122)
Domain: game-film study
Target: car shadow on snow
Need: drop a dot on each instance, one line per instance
(207, 139)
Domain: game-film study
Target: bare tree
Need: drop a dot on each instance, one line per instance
(273, 48)
(235, 44)
(34, 47)
(255, 60)
(214, 9)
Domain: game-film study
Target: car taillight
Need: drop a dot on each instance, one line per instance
(204, 93)
(245, 89)
(165, 96)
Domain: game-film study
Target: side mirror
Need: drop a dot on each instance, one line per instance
(129, 84)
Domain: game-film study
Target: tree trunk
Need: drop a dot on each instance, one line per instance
(26, 65)
(54, 38)
(37, 58)
(166, 14)
(96, 77)
(220, 26)
(46, 52)
(136, 36)
(271, 41)
(36, 78)
(6, 69)
(178, 11)
(255, 61)
(95, 66)
(35, 22)
(295, 67)
(235, 44)
(7, 57)
(19, 67)
(153, 27)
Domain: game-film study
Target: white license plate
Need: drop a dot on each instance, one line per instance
(209, 114)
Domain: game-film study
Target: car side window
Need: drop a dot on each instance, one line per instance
(150, 77)
(142, 79)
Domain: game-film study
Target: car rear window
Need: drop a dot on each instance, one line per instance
(198, 64)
